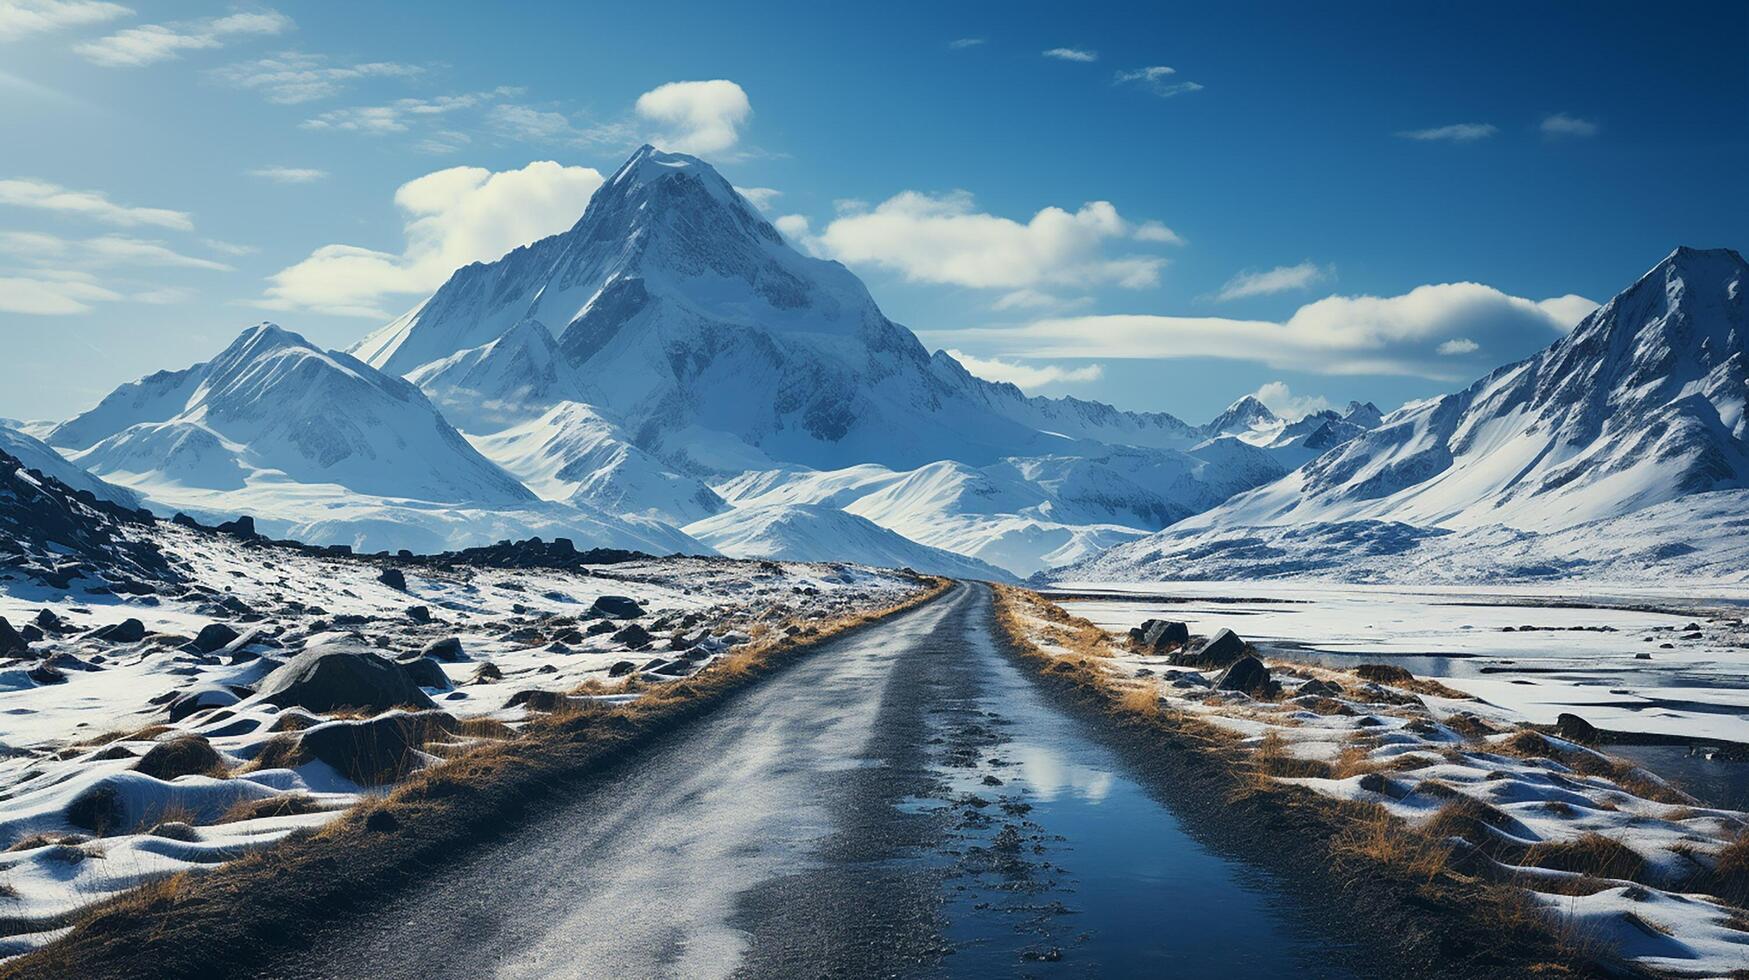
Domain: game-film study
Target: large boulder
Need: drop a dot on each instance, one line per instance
(1225, 649)
(377, 750)
(394, 579)
(11, 644)
(634, 637)
(214, 637)
(1160, 636)
(342, 674)
(449, 650)
(426, 673)
(1247, 675)
(184, 755)
(616, 607)
(213, 696)
(126, 631)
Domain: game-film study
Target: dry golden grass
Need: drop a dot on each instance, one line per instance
(1373, 835)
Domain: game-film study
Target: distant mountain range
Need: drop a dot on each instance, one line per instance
(671, 375)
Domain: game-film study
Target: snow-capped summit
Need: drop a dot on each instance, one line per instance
(1364, 414)
(272, 406)
(1241, 417)
(1641, 403)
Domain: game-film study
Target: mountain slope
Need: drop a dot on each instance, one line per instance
(813, 532)
(1640, 407)
(40, 456)
(1643, 402)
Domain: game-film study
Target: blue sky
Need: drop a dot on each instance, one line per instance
(1374, 201)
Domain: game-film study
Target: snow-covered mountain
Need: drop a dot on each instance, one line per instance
(41, 457)
(814, 532)
(320, 446)
(1642, 404)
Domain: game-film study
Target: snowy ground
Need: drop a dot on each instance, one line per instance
(1536, 808)
(68, 742)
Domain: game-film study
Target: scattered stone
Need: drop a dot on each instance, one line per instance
(598, 628)
(633, 636)
(487, 671)
(547, 701)
(341, 675)
(126, 631)
(46, 674)
(449, 650)
(616, 607)
(1160, 635)
(1247, 675)
(621, 668)
(214, 637)
(11, 643)
(381, 822)
(242, 527)
(1226, 648)
(185, 755)
(1576, 729)
(394, 579)
(426, 673)
(419, 614)
(207, 697)
(377, 750)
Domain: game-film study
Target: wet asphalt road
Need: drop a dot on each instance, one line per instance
(896, 803)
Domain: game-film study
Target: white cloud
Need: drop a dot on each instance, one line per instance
(1455, 133)
(116, 250)
(1280, 399)
(702, 117)
(1568, 309)
(965, 42)
(1033, 299)
(795, 228)
(454, 216)
(1154, 231)
(943, 239)
(228, 248)
(51, 296)
(399, 115)
(149, 44)
(1398, 335)
(1159, 80)
(1459, 345)
(1027, 376)
(525, 122)
(74, 256)
(163, 296)
(762, 197)
(289, 175)
(42, 195)
(1072, 54)
(291, 77)
(21, 18)
(1561, 124)
(1280, 279)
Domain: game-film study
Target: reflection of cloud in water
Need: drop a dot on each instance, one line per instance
(1049, 774)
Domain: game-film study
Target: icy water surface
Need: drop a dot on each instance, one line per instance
(1066, 867)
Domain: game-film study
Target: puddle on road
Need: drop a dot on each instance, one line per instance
(1058, 865)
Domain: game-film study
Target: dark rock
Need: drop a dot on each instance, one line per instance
(184, 755)
(448, 649)
(426, 673)
(487, 672)
(538, 700)
(1246, 674)
(1383, 673)
(1160, 635)
(49, 621)
(377, 750)
(393, 578)
(621, 668)
(198, 700)
(1318, 688)
(242, 527)
(598, 628)
(616, 607)
(381, 822)
(633, 636)
(1226, 648)
(11, 643)
(126, 631)
(214, 637)
(29, 632)
(45, 674)
(341, 675)
(419, 614)
(1576, 729)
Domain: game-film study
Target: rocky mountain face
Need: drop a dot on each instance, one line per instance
(1640, 406)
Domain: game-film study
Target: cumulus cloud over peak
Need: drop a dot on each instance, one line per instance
(454, 217)
(943, 238)
(701, 117)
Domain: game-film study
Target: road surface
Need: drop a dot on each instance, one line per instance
(902, 801)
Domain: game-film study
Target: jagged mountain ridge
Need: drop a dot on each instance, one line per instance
(1641, 406)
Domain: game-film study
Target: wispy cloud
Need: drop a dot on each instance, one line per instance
(1280, 279)
(1026, 375)
(1338, 335)
(1158, 79)
(762, 197)
(960, 44)
(42, 295)
(149, 44)
(397, 116)
(1280, 399)
(22, 18)
(1560, 124)
(293, 77)
(1072, 54)
(1455, 133)
(44, 196)
(289, 175)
